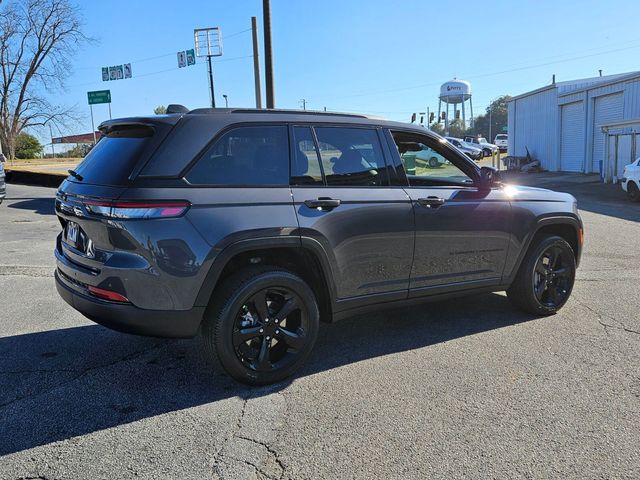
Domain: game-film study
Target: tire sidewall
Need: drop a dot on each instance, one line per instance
(530, 272)
(226, 319)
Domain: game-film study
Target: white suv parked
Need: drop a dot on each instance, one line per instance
(631, 180)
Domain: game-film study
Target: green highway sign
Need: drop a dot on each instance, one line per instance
(504, 129)
(99, 96)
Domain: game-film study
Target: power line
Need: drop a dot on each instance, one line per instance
(161, 71)
(516, 69)
(164, 55)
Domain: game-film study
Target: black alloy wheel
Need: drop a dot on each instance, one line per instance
(261, 325)
(545, 278)
(433, 162)
(553, 276)
(270, 329)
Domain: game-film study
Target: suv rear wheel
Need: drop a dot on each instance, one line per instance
(545, 279)
(261, 325)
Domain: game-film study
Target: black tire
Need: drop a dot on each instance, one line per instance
(235, 328)
(433, 162)
(546, 276)
(486, 152)
(633, 192)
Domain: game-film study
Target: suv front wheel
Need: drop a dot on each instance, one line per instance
(261, 325)
(545, 279)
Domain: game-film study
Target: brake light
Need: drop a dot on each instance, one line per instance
(137, 210)
(107, 294)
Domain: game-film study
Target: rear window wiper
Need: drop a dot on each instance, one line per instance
(75, 175)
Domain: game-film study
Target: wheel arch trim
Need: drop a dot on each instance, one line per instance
(221, 260)
(569, 219)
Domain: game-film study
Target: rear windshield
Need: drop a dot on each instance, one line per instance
(113, 158)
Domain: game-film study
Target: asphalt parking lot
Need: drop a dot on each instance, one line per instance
(458, 389)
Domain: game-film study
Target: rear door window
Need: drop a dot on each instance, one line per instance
(113, 158)
(251, 155)
(351, 156)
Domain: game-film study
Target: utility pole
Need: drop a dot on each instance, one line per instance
(268, 53)
(490, 111)
(256, 61)
(226, 101)
(53, 152)
(304, 103)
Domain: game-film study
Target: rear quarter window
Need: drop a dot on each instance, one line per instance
(251, 155)
(113, 158)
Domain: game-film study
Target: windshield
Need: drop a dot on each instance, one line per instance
(482, 140)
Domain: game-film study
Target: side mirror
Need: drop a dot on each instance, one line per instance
(489, 177)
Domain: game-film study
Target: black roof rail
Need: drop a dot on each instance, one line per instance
(276, 111)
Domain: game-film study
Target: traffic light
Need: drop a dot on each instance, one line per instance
(432, 117)
(413, 117)
(457, 114)
(443, 116)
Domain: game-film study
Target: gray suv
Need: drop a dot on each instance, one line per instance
(252, 226)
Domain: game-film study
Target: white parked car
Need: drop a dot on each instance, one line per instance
(631, 180)
(501, 141)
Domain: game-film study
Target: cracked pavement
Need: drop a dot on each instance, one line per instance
(457, 389)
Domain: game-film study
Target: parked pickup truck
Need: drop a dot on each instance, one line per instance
(487, 148)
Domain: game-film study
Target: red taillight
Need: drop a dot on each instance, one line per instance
(135, 210)
(107, 294)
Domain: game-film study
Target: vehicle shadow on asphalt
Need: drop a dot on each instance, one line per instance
(65, 383)
(41, 206)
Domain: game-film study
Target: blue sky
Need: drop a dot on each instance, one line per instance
(386, 58)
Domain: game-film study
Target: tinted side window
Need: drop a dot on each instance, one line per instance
(305, 168)
(245, 156)
(351, 156)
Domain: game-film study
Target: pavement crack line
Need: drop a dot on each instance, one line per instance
(606, 326)
(80, 373)
(256, 425)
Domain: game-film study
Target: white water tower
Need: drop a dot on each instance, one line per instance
(455, 92)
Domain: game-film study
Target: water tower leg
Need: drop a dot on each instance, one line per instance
(464, 117)
(471, 107)
(446, 121)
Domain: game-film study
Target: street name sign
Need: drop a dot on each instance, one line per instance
(99, 96)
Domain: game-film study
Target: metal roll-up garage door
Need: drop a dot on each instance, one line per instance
(607, 109)
(572, 137)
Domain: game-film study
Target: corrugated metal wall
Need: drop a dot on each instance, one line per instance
(535, 121)
(534, 127)
(572, 137)
(607, 109)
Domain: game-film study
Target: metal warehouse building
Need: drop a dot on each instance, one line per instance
(590, 125)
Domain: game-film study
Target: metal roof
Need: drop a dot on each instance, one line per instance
(573, 86)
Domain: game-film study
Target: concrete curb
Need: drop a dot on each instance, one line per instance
(34, 178)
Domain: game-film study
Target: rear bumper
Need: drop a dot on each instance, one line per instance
(128, 318)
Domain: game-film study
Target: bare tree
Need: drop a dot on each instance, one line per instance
(37, 40)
